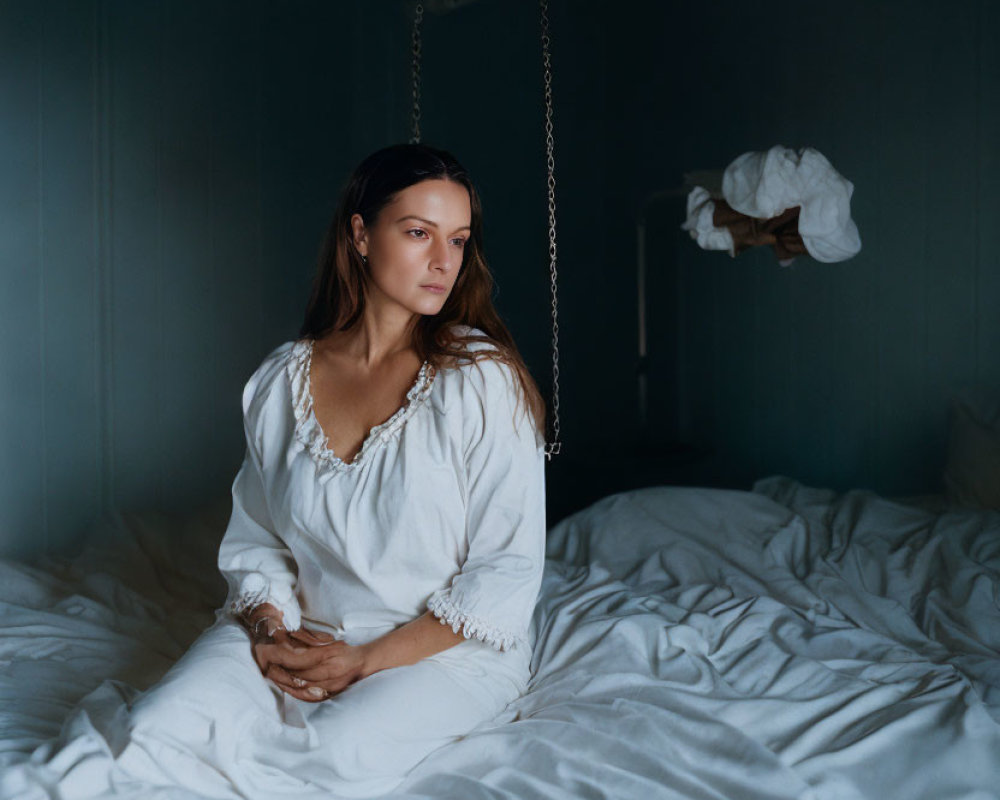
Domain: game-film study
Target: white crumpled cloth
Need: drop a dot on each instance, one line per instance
(764, 184)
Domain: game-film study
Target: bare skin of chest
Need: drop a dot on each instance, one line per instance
(349, 401)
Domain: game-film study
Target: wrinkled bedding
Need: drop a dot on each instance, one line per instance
(789, 642)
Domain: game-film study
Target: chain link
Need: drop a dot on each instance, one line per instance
(555, 446)
(551, 448)
(418, 18)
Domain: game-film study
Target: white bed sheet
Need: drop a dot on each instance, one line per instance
(788, 642)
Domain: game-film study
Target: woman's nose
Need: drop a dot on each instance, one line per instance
(443, 256)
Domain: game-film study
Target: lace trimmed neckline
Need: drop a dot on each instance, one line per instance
(310, 434)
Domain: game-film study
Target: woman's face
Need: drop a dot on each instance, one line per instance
(415, 247)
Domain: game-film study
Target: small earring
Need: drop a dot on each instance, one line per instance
(364, 260)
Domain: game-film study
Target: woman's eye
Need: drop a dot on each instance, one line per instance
(420, 233)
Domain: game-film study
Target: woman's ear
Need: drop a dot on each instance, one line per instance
(359, 234)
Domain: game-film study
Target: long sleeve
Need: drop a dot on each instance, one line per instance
(256, 563)
(493, 596)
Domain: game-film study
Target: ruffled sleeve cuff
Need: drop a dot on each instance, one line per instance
(443, 607)
(255, 589)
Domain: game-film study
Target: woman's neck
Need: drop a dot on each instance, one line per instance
(376, 337)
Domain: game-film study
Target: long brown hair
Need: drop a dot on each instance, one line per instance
(338, 296)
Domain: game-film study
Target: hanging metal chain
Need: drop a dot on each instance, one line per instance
(551, 448)
(418, 18)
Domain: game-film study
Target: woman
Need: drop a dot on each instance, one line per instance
(386, 542)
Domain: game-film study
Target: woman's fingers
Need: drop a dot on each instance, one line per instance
(304, 690)
(308, 672)
(334, 674)
(260, 657)
(263, 621)
(290, 654)
(281, 637)
(317, 693)
(283, 678)
(293, 655)
(268, 654)
(312, 694)
(330, 670)
(334, 686)
(319, 687)
(312, 638)
(296, 687)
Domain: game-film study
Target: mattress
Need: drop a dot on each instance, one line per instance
(787, 642)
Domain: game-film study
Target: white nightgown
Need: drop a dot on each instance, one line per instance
(443, 509)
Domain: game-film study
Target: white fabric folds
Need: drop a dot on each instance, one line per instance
(789, 643)
(700, 211)
(258, 567)
(498, 583)
(764, 184)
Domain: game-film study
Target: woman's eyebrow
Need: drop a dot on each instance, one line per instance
(432, 224)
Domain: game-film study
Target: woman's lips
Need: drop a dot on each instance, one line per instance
(434, 287)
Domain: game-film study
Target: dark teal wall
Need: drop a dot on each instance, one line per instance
(168, 169)
(838, 375)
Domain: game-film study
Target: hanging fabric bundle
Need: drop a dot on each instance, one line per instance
(554, 445)
(795, 202)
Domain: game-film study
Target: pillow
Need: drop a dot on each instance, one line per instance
(972, 474)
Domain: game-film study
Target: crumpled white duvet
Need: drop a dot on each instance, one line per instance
(788, 642)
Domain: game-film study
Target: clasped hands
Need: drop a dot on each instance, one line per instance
(308, 665)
